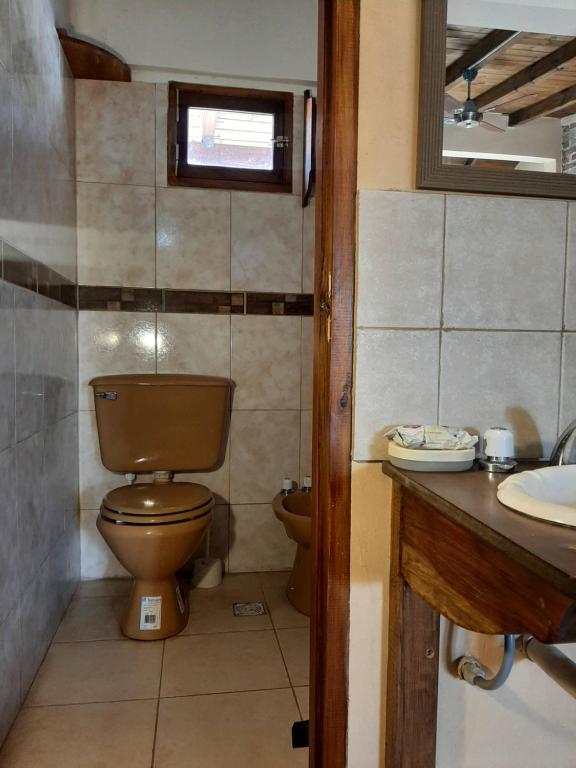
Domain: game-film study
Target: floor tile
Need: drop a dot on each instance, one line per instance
(82, 736)
(235, 661)
(96, 618)
(273, 578)
(211, 609)
(103, 588)
(295, 645)
(77, 673)
(283, 613)
(303, 698)
(235, 730)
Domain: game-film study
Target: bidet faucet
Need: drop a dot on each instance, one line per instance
(562, 451)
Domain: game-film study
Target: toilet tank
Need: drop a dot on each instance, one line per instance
(162, 422)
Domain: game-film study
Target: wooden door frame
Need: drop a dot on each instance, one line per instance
(337, 140)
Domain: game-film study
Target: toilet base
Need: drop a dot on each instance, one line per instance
(299, 584)
(166, 617)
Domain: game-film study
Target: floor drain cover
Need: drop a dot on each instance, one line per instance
(249, 609)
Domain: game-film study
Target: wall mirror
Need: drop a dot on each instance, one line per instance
(498, 97)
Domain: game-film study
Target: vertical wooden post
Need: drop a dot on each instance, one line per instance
(412, 686)
(333, 348)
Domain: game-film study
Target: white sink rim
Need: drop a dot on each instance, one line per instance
(532, 493)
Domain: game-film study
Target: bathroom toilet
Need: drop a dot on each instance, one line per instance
(159, 424)
(294, 511)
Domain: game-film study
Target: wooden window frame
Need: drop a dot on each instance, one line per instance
(182, 96)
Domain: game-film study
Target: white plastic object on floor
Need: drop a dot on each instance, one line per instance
(207, 573)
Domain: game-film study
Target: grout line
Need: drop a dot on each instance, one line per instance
(158, 705)
(451, 329)
(224, 693)
(563, 321)
(87, 703)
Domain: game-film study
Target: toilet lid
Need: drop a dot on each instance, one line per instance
(155, 499)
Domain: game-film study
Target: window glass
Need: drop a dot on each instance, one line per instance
(230, 139)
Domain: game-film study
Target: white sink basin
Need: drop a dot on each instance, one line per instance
(548, 494)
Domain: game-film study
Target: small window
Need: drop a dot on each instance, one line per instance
(229, 138)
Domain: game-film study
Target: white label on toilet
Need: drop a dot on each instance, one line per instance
(150, 613)
(179, 598)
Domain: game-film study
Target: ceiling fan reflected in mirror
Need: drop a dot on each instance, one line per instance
(467, 115)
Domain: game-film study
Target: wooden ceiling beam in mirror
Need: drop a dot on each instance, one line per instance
(88, 61)
(484, 49)
(544, 107)
(535, 71)
(432, 170)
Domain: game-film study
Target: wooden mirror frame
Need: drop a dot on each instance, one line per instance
(432, 173)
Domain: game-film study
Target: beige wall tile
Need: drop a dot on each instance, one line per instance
(264, 353)
(306, 391)
(121, 733)
(509, 379)
(193, 238)
(570, 298)
(266, 242)
(258, 541)
(198, 344)
(305, 445)
(264, 449)
(400, 245)
(568, 390)
(115, 128)
(308, 246)
(396, 383)
(161, 134)
(193, 725)
(116, 235)
(113, 342)
(504, 263)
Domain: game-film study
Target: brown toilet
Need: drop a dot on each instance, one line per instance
(159, 424)
(294, 511)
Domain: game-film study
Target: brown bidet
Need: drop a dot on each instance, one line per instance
(294, 511)
(153, 529)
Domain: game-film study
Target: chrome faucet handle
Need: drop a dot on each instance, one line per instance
(564, 446)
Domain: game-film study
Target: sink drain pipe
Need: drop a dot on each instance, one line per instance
(552, 661)
(548, 657)
(470, 669)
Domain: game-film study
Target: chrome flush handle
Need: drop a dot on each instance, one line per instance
(107, 395)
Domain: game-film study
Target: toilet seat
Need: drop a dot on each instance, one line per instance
(157, 503)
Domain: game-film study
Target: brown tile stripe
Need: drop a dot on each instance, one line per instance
(98, 297)
(21, 270)
(279, 304)
(116, 299)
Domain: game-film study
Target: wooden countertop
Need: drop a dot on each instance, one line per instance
(469, 499)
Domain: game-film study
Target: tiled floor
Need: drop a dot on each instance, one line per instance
(223, 694)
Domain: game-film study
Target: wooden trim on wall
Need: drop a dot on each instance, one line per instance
(337, 140)
(433, 173)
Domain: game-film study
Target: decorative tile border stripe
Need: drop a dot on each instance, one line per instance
(21, 270)
(279, 304)
(204, 302)
(117, 299)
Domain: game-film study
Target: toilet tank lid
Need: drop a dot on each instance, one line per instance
(160, 380)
